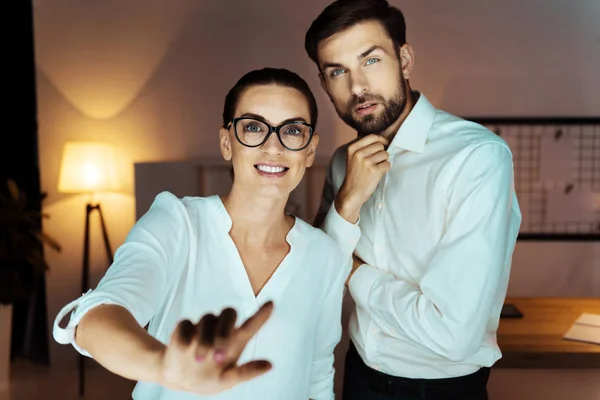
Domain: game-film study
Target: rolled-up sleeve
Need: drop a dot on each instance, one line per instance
(142, 270)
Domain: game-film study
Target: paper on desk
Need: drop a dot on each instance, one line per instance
(585, 329)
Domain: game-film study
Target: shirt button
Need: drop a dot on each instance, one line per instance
(379, 206)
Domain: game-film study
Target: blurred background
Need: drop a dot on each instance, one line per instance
(148, 78)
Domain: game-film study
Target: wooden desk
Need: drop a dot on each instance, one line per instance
(535, 341)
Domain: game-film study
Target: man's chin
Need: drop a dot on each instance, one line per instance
(368, 129)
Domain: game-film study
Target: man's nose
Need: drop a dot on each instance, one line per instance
(359, 84)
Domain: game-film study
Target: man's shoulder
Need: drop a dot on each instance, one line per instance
(340, 155)
(341, 152)
(466, 134)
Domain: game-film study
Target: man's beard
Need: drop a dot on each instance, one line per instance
(372, 123)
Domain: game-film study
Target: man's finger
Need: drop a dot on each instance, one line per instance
(369, 150)
(384, 166)
(367, 140)
(245, 372)
(378, 157)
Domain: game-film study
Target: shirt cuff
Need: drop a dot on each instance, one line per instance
(361, 283)
(67, 335)
(345, 233)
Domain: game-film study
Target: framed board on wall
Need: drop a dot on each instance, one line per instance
(557, 175)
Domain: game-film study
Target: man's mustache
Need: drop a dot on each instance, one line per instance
(356, 100)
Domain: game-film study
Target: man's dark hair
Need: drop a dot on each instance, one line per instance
(343, 14)
(269, 76)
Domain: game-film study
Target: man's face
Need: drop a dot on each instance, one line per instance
(362, 72)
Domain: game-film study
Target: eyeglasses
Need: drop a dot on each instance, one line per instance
(252, 132)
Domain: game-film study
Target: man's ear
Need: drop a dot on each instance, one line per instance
(225, 144)
(312, 150)
(407, 60)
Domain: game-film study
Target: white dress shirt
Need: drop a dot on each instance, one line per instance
(437, 238)
(179, 262)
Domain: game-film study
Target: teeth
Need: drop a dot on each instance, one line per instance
(269, 169)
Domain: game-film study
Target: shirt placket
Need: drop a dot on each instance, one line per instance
(379, 242)
(379, 251)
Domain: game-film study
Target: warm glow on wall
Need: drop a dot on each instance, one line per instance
(100, 54)
(88, 167)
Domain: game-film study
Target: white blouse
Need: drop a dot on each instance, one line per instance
(179, 262)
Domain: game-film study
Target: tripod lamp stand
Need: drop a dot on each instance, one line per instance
(88, 167)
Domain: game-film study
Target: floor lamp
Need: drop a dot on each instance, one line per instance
(88, 167)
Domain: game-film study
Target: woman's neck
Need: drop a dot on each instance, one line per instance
(257, 221)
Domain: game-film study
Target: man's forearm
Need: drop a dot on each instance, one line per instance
(116, 341)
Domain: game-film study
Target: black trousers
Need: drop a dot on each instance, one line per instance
(364, 383)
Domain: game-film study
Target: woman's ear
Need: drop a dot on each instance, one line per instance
(225, 144)
(312, 150)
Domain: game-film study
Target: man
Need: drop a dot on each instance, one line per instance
(425, 203)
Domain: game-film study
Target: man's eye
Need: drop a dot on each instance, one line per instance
(336, 72)
(371, 61)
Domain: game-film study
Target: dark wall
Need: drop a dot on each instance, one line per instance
(19, 161)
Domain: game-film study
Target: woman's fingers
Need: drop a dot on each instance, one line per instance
(205, 336)
(216, 337)
(184, 334)
(223, 333)
(216, 345)
(253, 324)
(245, 372)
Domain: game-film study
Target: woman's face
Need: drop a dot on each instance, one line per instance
(269, 170)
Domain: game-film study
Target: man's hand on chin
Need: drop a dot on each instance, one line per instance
(356, 262)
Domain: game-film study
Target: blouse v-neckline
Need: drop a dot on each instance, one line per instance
(279, 279)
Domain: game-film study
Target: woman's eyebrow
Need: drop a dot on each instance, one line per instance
(260, 117)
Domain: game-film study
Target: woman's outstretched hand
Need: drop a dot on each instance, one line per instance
(202, 358)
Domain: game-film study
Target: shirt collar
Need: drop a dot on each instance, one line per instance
(296, 236)
(413, 132)
(223, 220)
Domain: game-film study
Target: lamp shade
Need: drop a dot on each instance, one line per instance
(88, 167)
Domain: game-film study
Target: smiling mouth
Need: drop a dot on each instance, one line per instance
(269, 169)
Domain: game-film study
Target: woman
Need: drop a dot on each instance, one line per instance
(236, 258)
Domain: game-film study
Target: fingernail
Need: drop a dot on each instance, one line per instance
(199, 358)
(219, 355)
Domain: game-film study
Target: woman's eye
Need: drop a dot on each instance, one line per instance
(292, 131)
(336, 72)
(253, 128)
